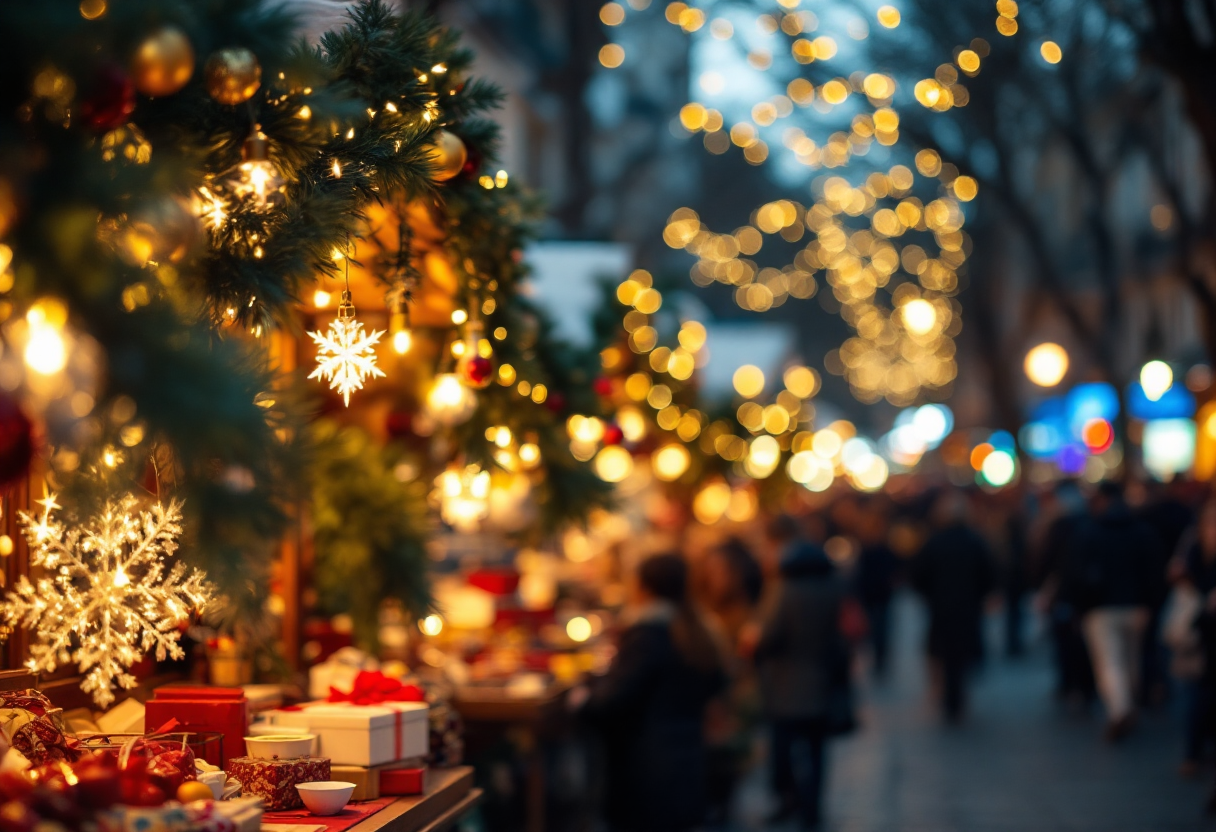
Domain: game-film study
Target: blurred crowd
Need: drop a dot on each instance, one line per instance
(748, 652)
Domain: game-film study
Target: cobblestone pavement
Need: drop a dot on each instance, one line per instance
(1021, 762)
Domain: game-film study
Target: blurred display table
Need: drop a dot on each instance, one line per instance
(490, 712)
(450, 795)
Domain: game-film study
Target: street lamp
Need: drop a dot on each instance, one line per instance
(1046, 364)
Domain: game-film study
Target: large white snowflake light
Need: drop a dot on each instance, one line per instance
(346, 356)
(106, 598)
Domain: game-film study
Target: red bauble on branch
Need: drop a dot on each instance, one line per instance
(111, 99)
(16, 441)
(476, 371)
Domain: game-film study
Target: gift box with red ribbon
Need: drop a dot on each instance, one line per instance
(379, 721)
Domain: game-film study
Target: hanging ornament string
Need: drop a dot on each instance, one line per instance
(402, 294)
(346, 356)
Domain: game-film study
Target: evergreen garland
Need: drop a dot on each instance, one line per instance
(181, 308)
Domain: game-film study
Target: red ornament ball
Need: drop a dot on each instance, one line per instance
(602, 386)
(477, 371)
(399, 423)
(613, 435)
(16, 442)
(110, 101)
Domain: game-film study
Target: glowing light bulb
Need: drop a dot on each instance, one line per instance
(578, 628)
(321, 299)
(257, 178)
(919, 316)
(1156, 377)
(1046, 364)
(432, 625)
(402, 341)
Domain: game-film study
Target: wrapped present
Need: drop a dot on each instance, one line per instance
(275, 780)
(369, 780)
(31, 725)
(196, 708)
(402, 781)
(338, 672)
(361, 735)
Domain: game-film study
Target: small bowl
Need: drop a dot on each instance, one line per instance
(327, 797)
(283, 746)
(215, 780)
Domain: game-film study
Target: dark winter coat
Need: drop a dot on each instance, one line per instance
(1113, 561)
(800, 650)
(953, 573)
(650, 710)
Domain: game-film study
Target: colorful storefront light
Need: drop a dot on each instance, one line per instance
(1156, 377)
(1168, 446)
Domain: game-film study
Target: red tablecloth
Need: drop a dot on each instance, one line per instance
(348, 817)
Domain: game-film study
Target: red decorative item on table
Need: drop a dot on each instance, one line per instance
(401, 781)
(495, 581)
(225, 710)
(275, 780)
(374, 688)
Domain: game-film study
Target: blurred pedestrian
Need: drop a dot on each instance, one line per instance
(803, 661)
(1110, 577)
(1194, 573)
(1068, 514)
(1169, 514)
(650, 705)
(954, 574)
(732, 585)
(874, 581)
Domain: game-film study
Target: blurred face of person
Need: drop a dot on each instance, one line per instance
(721, 584)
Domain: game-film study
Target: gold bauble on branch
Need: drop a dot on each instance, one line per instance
(233, 75)
(448, 154)
(163, 63)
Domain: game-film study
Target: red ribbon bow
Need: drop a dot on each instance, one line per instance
(374, 688)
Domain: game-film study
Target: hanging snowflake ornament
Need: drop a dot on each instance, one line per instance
(107, 598)
(346, 355)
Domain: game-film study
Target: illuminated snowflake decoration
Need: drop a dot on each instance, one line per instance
(107, 598)
(346, 355)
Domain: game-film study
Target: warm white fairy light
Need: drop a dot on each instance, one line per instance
(346, 355)
(107, 599)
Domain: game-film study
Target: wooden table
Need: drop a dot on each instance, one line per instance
(450, 795)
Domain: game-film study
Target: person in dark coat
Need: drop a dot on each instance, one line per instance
(954, 574)
(802, 660)
(874, 582)
(1112, 576)
(650, 706)
(1074, 675)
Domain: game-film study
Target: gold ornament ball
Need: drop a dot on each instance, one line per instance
(233, 75)
(193, 790)
(448, 155)
(163, 63)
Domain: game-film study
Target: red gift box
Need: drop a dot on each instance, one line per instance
(225, 710)
(275, 780)
(399, 781)
(495, 581)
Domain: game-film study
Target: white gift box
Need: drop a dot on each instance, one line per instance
(362, 735)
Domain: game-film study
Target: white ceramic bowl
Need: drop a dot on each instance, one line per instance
(327, 797)
(283, 746)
